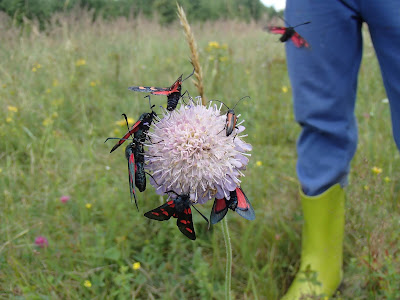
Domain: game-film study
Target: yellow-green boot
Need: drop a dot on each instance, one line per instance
(322, 246)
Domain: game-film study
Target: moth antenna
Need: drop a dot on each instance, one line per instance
(220, 102)
(189, 75)
(241, 100)
(302, 24)
(284, 21)
(208, 222)
(126, 120)
(152, 177)
(127, 124)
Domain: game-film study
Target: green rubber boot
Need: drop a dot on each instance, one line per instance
(322, 246)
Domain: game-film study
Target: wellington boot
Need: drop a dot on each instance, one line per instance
(320, 270)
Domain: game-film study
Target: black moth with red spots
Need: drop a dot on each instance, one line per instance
(237, 202)
(289, 33)
(178, 208)
(140, 129)
(173, 92)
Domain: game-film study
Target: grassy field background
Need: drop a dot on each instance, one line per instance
(62, 92)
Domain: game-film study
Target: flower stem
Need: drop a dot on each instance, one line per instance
(228, 248)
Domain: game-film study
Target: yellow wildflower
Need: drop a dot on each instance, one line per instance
(12, 108)
(80, 62)
(376, 170)
(259, 163)
(92, 83)
(123, 122)
(38, 66)
(136, 266)
(55, 82)
(34, 69)
(1, 170)
(213, 44)
(48, 91)
(87, 284)
(88, 205)
(54, 115)
(366, 187)
(387, 179)
(47, 122)
(285, 89)
(9, 120)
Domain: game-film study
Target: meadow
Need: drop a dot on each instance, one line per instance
(62, 93)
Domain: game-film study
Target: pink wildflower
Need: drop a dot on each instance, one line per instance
(191, 154)
(64, 199)
(41, 241)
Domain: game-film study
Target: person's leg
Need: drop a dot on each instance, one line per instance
(383, 18)
(324, 82)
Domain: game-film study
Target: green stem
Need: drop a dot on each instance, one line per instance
(228, 248)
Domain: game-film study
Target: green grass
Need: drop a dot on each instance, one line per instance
(53, 146)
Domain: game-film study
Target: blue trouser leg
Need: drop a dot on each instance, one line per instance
(324, 82)
(383, 18)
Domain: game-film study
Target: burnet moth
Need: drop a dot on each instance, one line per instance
(237, 202)
(289, 33)
(178, 208)
(231, 118)
(173, 92)
(139, 129)
(134, 152)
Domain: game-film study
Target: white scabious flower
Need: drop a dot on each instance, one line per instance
(189, 153)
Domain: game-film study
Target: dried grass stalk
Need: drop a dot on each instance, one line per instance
(193, 51)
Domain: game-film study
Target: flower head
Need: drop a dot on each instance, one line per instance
(41, 242)
(12, 108)
(191, 154)
(376, 170)
(80, 62)
(136, 266)
(64, 199)
(87, 284)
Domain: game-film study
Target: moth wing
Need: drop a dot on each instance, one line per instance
(147, 89)
(163, 212)
(133, 129)
(185, 223)
(276, 29)
(218, 211)
(132, 171)
(244, 208)
(299, 41)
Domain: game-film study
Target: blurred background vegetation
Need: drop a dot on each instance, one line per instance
(163, 10)
(62, 92)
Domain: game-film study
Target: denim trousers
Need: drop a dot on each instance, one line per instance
(324, 81)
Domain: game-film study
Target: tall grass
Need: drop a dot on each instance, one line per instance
(69, 85)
